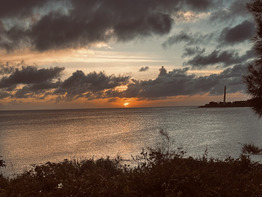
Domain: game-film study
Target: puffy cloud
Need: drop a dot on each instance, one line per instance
(30, 75)
(90, 86)
(242, 32)
(143, 69)
(36, 90)
(21, 81)
(178, 82)
(218, 57)
(38, 83)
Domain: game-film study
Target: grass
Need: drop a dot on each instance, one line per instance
(160, 171)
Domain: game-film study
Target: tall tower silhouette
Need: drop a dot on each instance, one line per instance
(225, 93)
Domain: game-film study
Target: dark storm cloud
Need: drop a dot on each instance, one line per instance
(218, 57)
(234, 10)
(90, 85)
(14, 38)
(143, 69)
(178, 82)
(189, 38)
(87, 22)
(30, 75)
(242, 32)
(62, 31)
(18, 8)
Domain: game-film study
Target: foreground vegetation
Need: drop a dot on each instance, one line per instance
(158, 172)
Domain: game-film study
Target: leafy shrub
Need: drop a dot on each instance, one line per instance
(160, 171)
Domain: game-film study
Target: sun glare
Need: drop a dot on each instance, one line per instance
(126, 104)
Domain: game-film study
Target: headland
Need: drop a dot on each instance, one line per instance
(211, 104)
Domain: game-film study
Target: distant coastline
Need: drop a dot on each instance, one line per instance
(223, 104)
(213, 104)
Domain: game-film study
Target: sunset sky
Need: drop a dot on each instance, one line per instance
(122, 53)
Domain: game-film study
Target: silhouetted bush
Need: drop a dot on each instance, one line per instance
(251, 149)
(3, 182)
(2, 162)
(254, 77)
(159, 171)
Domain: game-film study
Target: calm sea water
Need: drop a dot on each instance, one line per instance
(33, 137)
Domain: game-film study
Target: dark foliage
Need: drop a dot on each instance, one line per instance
(3, 181)
(2, 162)
(254, 78)
(159, 172)
(251, 149)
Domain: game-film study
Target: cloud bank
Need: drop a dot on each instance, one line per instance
(30, 82)
(80, 23)
(217, 57)
(242, 32)
(179, 82)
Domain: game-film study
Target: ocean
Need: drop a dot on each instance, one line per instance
(35, 137)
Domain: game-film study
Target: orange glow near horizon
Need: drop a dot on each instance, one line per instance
(50, 102)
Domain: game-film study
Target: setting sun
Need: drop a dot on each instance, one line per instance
(126, 104)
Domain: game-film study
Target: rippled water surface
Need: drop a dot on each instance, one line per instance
(28, 137)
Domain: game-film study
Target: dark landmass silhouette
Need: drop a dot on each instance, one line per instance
(246, 103)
